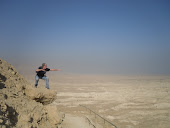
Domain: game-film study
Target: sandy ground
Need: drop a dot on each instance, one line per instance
(74, 121)
(125, 101)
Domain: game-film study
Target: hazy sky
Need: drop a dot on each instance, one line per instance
(87, 36)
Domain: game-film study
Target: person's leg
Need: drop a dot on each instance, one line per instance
(47, 81)
(36, 81)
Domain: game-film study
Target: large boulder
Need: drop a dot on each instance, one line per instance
(42, 95)
(22, 106)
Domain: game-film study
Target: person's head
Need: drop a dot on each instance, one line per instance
(44, 65)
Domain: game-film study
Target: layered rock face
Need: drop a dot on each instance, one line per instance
(22, 106)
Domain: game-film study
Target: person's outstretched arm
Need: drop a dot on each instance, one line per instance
(55, 69)
(37, 70)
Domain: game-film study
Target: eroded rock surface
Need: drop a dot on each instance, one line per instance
(22, 106)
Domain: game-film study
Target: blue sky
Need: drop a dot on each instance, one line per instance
(87, 36)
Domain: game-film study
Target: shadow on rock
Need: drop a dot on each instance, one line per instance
(2, 79)
(8, 116)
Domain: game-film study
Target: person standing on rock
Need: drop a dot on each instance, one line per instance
(41, 71)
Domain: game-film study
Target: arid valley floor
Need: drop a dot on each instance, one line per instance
(125, 101)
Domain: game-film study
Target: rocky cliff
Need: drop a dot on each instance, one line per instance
(21, 105)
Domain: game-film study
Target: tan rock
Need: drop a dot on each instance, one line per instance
(22, 106)
(53, 115)
(42, 95)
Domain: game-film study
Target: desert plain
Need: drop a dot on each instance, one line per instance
(125, 101)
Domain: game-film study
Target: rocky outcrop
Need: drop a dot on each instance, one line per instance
(41, 95)
(22, 106)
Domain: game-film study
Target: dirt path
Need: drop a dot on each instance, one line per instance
(72, 121)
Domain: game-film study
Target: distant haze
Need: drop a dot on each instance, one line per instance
(87, 36)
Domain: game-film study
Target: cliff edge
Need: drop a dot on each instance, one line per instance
(21, 105)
